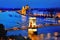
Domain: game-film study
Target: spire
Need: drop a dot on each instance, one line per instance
(23, 11)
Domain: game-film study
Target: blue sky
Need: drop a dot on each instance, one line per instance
(31, 3)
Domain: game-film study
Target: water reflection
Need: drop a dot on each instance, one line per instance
(49, 36)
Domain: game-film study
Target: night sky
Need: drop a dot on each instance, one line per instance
(31, 3)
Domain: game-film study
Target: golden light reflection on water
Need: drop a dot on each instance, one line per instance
(49, 36)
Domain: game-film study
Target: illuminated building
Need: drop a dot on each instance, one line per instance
(23, 11)
(26, 7)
